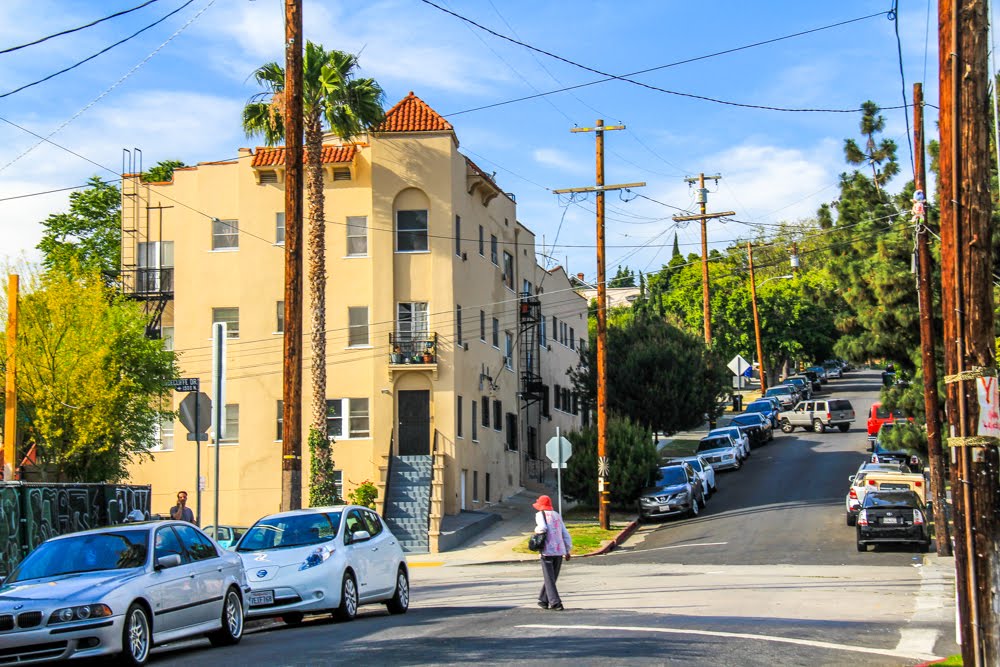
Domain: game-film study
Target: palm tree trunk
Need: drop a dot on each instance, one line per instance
(317, 268)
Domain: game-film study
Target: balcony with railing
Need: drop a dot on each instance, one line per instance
(148, 284)
(413, 353)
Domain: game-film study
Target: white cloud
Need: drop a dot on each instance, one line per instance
(557, 159)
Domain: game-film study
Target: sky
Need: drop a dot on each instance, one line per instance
(175, 91)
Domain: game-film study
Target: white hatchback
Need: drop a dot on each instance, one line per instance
(323, 559)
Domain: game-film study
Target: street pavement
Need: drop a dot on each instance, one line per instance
(767, 575)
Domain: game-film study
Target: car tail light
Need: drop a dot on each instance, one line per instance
(918, 484)
(872, 482)
(863, 518)
(853, 494)
(828, 416)
(918, 518)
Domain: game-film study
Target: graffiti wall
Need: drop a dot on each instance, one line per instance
(32, 513)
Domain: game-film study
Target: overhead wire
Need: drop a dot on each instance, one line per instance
(77, 29)
(894, 17)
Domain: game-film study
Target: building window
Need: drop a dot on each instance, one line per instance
(411, 231)
(487, 487)
(458, 418)
(337, 477)
(572, 339)
(357, 236)
(496, 333)
(167, 336)
(576, 403)
(493, 249)
(557, 395)
(357, 317)
(562, 332)
(508, 347)
(582, 346)
(232, 423)
(225, 234)
(458, 324)
(280, 322)
(411, 320)
(231, 316)
(475, 420)
(458, 235)
(357, 411)
(497, 415)
(281, 421)
(481, 254)
(475, 486)
(279, 228)
(482, 325)
(511, 438)
(486, 412)
(163, 433)
(342, 174)
(555, 328)
(545, 401)
(541, 332)
(526, 287)
(508, 270)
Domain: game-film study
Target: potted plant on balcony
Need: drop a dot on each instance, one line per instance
(397, 355)
(429, 353)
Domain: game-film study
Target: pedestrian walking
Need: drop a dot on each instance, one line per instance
(558, 544)
(180, 511)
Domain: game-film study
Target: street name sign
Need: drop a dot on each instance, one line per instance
(185, 384)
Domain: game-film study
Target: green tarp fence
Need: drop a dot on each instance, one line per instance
(32, 513)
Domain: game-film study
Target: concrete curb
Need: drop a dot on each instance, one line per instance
(625, 533)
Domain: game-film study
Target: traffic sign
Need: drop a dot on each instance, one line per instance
(738, 365)
(185, 384)
(196, 412)
(558, 455)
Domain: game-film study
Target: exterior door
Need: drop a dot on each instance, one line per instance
(414, 423)
(174, 589)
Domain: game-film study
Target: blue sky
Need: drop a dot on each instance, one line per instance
(184, 101)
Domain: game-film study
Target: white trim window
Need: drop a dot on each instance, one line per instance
(279, 228)
(357, 321)
(280, 317)
(508, 346)
(357, 236)
(231, 316)
(225, 234)
(232, 423)
(356, 411)
(411, 320)
(411, 231)
(508, 270)
(163, 434)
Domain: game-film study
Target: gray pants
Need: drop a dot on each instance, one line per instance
(550, 572)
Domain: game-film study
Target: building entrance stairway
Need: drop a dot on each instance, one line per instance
(407, 504)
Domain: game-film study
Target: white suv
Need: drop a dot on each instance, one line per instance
(818, 415)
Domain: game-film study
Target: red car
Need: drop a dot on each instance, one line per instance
(880, 415)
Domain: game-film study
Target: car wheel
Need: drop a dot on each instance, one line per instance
(925, 547)
(294, 618)
(818, 426)
(400, 600)
(786, 426)
(862, 546)
(348, 608)
(231, 631)
(844, 428)
(136, 637)
(851, 519)
(770, 435)
(694, 508)
(739, 464)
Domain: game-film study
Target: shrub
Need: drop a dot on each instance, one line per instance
(632, 459)
(364, 495)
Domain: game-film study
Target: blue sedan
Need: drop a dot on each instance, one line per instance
(765, 408)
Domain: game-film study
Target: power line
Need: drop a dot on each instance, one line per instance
(102, 51)
(894, 17)
(77, 29)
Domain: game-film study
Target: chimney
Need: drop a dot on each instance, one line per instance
(579, 277)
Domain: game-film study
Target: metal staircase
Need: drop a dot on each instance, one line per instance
(407, 505)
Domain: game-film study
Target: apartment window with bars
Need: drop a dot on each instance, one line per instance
(225, 234)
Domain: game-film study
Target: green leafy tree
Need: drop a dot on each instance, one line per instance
(88, 236)
(879, 155)
(625, 277)
(633, 463)
(91, 386)
(335, 98)
(162, 172)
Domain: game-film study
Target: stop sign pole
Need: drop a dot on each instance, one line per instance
(558, 450)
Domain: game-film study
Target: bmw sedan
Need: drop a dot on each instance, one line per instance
(323, 560)
(119, 591)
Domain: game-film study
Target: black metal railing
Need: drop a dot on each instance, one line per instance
(149, 282)
(404, 349)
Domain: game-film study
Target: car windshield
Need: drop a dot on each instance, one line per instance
(759, 406)
(732, 432)
(92, 552)
(713, 443)
(778, 391)
(745, 419)
(284, 532)
(670, 476)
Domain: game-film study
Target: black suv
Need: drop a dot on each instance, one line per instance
(888, 517)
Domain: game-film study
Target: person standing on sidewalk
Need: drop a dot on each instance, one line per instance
(558, 544)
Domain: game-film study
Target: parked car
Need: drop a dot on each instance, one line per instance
(881, 454)
(677, 490)
(892, 517)
(765, 408)
(821, 372)
(226, 536)
(721, 452)
(755, 425)
(323, 559)
(741, 439)
(833, 369)
(803, 383)
(819, 415)
(814, 379)
(93, 593)
(787, 395)
(869, 478)
(704, 470)
(879, 415)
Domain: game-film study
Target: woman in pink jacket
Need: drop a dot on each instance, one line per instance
(558, 544)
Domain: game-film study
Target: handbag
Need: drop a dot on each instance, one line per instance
(537, 540)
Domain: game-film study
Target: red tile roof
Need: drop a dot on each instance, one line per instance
(412, 114)
(271, 157)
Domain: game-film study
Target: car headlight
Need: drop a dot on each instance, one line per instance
(81, 613)
(728, 456)
(319, 555)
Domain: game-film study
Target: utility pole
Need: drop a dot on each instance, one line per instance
(8, 448)
(291, 408)
(756, 322)
(704, 217)
(603, 487)
(942, 534)
(967, 305)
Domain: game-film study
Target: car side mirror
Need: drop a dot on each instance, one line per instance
(360, 536)
(168, 561)
(851, 478)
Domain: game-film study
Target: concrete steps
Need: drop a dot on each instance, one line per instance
(408, 500)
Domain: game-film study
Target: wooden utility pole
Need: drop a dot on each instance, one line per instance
(704, 217)
(942, 534)
(603, 487)
(291, 409)
(967, 305)
(756, 322)
(8, 448)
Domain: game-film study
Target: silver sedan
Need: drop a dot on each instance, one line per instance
(120, 590)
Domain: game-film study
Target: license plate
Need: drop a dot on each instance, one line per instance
(261, 598)
(665, 508)
(890, 520)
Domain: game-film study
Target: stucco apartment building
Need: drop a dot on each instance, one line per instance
(446, 341)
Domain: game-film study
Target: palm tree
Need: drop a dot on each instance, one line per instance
(332, 96)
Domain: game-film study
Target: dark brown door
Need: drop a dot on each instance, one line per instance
(414, 423)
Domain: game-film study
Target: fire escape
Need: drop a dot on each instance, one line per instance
(531, 388)
(147, 273)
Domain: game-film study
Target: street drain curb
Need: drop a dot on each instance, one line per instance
(618, 540)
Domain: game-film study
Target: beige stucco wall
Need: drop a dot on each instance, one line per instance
(393, 172)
